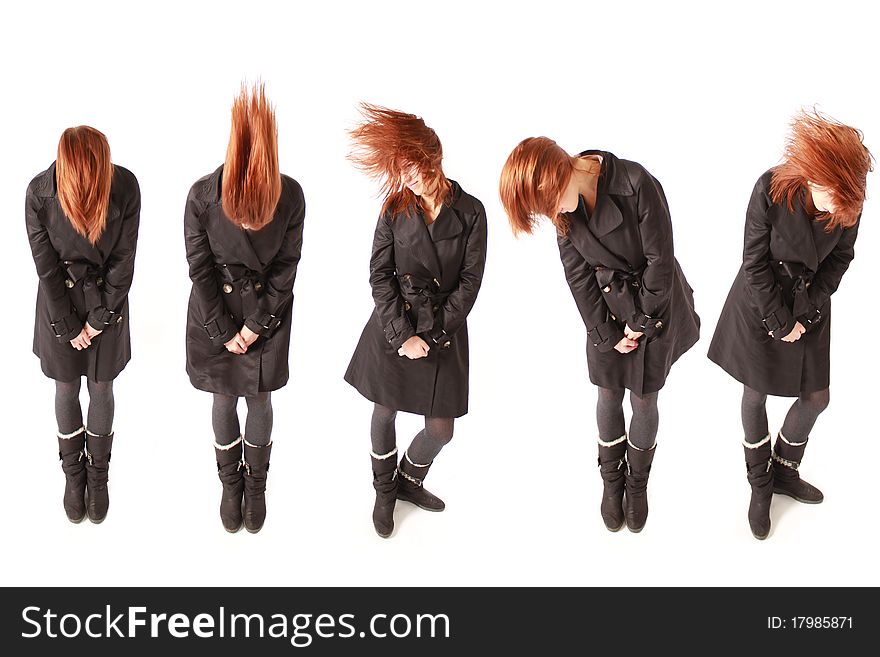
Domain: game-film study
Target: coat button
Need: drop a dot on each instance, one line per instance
(436, 307)
(119, 319)
(436, 282)
(635, 283)
(258, 286)
(658, 325)
(227, 288)
(447, 344)
(614, 318)
(100, 281)
(406, 277)
(406, 305)
(69, 283)
(606, 289)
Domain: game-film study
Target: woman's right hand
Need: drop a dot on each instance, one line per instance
(796, 333)
(626, 345)
(237, 345)
(414, 348)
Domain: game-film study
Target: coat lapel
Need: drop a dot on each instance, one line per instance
(588, 233)
(413, 232)
(97, 252)
(796, 227)
(238, 239)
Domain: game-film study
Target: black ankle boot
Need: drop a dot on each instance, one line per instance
(229, 469)
(256, 470)
(98, 447)
(760, 475)
(638, 467)
(71, 451)
(385, 485)
(786, 478)
(410, 487)
(612, 468)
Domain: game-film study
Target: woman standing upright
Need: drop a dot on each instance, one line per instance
(243, 228)
(426, 268)
(774, 333)
(615, 241)
(82, 218)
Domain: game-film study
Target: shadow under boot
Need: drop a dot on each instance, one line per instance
(760, 475)
(786, 478)
(71, 451)
(98, 447)
(256, 471)
(410, 487)
(638, 467)
(229, 469)
(385, 484)
(612, 468)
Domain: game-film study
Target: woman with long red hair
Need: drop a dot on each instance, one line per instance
(774, 332)
(615, 240)
(427, 262)
(243, 228)
(82, 217)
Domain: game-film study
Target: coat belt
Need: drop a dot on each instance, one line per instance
(424, 297)
(621, 285)
(252, 283)
(801, 278)
(89, 276)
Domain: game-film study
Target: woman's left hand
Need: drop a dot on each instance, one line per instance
(249, 336)
(632, 335)
(81, 341)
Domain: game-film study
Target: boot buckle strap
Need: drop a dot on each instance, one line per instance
(410, 478)
(782, 461)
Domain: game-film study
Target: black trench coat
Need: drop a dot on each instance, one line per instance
(82, 282)
(240, 277)
(790, 269)
(424, 283)
(621, 269)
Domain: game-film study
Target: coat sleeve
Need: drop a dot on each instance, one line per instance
(762, 284)
(390, 310)
(218, 321)
(279, 279)
(460, 301)
(63, 319)
(655, 231)
(119, 268)
(826, 281)
(602, 330)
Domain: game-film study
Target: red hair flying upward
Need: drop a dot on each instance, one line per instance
(251, 178)
(827, 154)
(387, 144)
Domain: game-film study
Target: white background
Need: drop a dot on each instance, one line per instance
(698, 94)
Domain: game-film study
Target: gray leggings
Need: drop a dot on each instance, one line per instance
(645, 417)
(798, 422)
(258, 425)
(424, 447)
(68, 412)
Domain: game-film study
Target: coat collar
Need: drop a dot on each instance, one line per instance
(412, 230)
(239, 237)
(613, 181)
(100, 247)
(614, 178)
